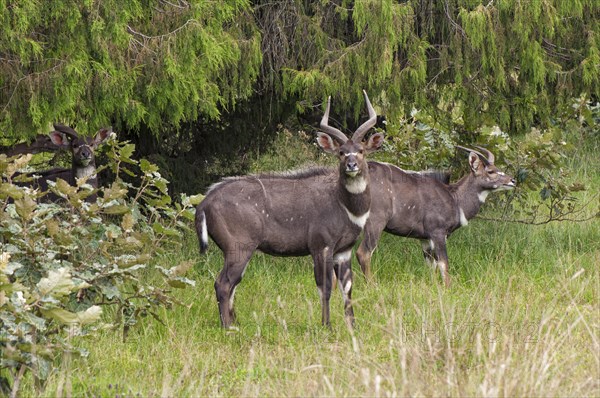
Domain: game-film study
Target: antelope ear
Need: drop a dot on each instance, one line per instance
(374, 142)
(102, 135)
(475, 163)
(59, 139)
(328, 144)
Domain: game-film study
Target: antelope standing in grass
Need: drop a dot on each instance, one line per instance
(418, 206)
(318, 211)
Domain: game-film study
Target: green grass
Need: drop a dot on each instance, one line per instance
(522, 318)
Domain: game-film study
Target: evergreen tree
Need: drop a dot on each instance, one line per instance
(137, 63)
(506, 62)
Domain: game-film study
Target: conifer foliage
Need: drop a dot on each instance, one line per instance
(139, 62)
(505, 62)
(144, 65)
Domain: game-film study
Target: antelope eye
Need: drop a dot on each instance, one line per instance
(361, 151)
(341, 153)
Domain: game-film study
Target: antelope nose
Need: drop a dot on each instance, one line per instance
(513, 181)
(351, 166)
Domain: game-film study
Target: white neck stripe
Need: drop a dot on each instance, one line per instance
(358, 220)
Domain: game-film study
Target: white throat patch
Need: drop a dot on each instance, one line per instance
(87, 171)
(356, 185)
(483, 196)
(358, 220)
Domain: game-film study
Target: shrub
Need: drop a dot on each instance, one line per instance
(537, 160)
(62, 264)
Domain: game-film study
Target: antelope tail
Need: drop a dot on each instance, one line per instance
(201, 230)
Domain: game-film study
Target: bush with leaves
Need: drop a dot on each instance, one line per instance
(62, 263)
(536, 159)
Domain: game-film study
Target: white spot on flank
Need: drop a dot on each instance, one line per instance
(463, 219)
(358, 220)
(356, 185)
(342, 257)
(483, 196)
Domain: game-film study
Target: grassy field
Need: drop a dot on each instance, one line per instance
(522, 319)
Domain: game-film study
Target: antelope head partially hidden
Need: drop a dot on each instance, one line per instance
(82, 150)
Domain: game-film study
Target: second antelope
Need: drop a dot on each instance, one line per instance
(417, 206)
(83, 162)
(318, 212)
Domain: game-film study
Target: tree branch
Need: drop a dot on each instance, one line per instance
(42, 143)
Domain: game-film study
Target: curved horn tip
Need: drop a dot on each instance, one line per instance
(489, 154)
(463, 148)
(481, 156)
